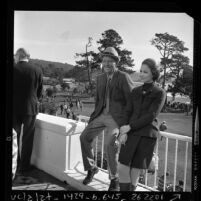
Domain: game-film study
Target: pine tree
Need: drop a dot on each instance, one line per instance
(111, 38)
(168, 45)
(178, 65)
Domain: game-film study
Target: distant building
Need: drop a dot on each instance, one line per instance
(72, 86)
(46, 78)
(69, 80)
(58, 86)
(126, 67)
(46, 86)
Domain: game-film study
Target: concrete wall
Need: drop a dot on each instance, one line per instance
(57, 151)
(56, 144)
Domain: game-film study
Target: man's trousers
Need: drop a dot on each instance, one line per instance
(93, 129)
(25, 139)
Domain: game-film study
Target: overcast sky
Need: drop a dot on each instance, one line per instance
(58, 36)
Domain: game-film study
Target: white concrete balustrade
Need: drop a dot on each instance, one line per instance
(56, 147)
(177, 138)
(57, 151)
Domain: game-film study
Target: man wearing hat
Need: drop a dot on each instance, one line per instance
(113, 88)
(27, 89)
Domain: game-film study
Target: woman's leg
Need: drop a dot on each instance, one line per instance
(124, 177)
(135, 173)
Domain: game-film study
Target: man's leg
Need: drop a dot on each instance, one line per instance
(27, 141)
(112, 150)
(92, 130)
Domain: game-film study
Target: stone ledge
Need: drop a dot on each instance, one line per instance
(100, 182)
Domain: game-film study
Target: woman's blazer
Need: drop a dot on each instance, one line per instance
(143, 120)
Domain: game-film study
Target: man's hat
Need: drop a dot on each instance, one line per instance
(110, 52)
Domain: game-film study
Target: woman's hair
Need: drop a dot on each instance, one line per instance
(155, 70)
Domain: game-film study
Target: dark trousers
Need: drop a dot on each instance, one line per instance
(25, 141)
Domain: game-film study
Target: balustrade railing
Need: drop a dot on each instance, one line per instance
(99, 157)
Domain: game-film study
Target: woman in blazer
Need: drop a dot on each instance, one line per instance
(138, 138)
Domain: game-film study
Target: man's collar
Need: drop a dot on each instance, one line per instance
(26, 60)
(111, 76)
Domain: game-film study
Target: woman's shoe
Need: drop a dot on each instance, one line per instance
(132, 187)
(125, 186)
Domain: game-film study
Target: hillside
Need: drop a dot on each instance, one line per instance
(49, 67)
(81, 74)
(55, 69)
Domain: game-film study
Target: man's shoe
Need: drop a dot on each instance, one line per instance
(25, 171)
(114, 185)
(90, 175)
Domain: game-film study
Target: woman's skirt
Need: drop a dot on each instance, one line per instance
(137, 152)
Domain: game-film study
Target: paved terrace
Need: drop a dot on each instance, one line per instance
(57, 159)
(40, 180)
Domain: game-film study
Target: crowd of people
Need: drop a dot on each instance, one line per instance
(127, 114)
(66, 108)
(169, 186)
(183, 107)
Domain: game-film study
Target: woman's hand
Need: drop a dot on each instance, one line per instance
(123, 138)
(124, 129)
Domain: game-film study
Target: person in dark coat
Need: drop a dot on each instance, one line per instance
(74, 116)
(68, 111)
(112, 92)
(71, 105)
(61, 108)
(163, 126)
(161, 182)
(81, 105)
(27, 90)
(77, 103)
(138, 138)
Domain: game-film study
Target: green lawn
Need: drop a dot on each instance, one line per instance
(177, 123)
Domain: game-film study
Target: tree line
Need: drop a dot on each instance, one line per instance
(173, 64)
